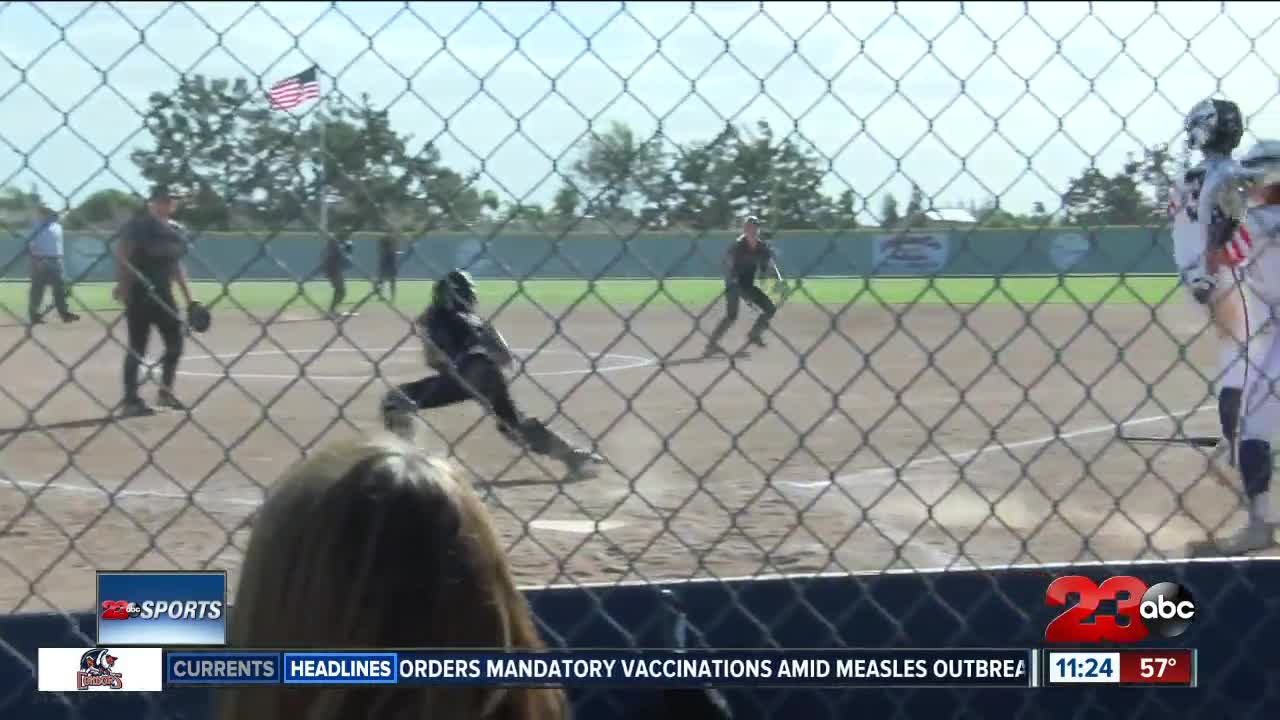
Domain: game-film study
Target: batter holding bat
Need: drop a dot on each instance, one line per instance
(1257, 183)
(746, 258)
(469, 356)
(1208, 265)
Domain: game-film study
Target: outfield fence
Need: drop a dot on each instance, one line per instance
(802, 253)
(887, 472)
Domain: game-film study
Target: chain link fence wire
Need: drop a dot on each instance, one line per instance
(968, 203)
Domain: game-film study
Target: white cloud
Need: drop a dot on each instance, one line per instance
(964, 99)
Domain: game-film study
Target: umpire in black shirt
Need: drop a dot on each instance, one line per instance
(747, 257)
(148, 263)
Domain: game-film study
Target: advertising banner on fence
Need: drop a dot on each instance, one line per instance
(912, 253)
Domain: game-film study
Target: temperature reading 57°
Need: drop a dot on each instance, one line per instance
(1156, 667)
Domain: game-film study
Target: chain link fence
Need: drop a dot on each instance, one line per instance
(968, 203)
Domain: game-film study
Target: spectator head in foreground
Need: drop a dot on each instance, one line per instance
(370, 543)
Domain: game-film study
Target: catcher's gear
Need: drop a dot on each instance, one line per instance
(199, 318)
(1214, 126)
(455, 291)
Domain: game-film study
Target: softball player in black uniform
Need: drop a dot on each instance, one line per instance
(470, 356)
(746, 258)
(148, 263)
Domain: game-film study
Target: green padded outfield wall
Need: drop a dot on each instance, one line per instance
(1050, 251)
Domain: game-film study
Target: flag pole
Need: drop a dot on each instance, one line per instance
(324, 181)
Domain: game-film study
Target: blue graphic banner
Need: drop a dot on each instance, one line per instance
(162, 608)
(612, 668)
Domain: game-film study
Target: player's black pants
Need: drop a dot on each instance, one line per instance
(145, 308)
(386, 276)
(338, 281)
(476, 378)
(734, 294)
(479, 378)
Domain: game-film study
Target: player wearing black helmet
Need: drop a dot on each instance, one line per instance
(469, 356)
(1209, 249)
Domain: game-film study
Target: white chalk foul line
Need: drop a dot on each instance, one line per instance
(905, 537)
(954, 458)
(628, 362)
(197, 498)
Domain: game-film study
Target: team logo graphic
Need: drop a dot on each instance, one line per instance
(98, 669)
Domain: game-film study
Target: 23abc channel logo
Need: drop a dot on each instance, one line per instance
(1164, 610)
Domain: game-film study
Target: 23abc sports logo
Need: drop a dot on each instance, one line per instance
(1164, 610)
(161, 609)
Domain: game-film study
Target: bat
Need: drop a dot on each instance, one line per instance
(1191, 440)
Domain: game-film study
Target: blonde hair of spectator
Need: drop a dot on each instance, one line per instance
(370, 543)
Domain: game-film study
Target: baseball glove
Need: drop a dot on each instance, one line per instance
(199, 318)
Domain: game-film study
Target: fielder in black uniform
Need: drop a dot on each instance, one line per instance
(746, 258)
(148, 262)
(470, 357)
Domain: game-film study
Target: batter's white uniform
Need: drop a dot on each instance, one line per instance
(1191, 208)
(1261, 271)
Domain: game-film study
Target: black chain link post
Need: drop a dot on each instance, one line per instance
(940, 389)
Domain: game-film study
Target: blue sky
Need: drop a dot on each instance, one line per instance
(502, 86)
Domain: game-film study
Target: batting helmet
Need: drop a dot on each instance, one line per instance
(455, 291)
(1215, 126)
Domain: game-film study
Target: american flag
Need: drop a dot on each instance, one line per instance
(295, 90)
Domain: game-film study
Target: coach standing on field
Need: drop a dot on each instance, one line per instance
(46, 266)
(148, 262)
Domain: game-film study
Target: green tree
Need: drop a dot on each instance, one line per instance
(103, 208)
(1158, 169)
(889, 216)
(915, 206)
(796, 200)
(1085, 201)
(739, 172)
(701, 176)
(565, 204)
(846, 210)
(197, 132)
(620, 174)
(237, 156)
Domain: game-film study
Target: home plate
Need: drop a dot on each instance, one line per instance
(582, 527)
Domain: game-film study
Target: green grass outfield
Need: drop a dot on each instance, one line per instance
(413, 294)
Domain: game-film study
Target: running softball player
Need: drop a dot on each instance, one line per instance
(1260, 275)
(1214, 128)
(469, 357)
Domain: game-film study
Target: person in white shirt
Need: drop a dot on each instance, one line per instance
(1214, 128)
(45, 248)
(1255, 183)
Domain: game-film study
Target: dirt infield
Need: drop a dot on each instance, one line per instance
(862, 439)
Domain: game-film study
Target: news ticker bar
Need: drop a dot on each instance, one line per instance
(151, 669)
(611, 668)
